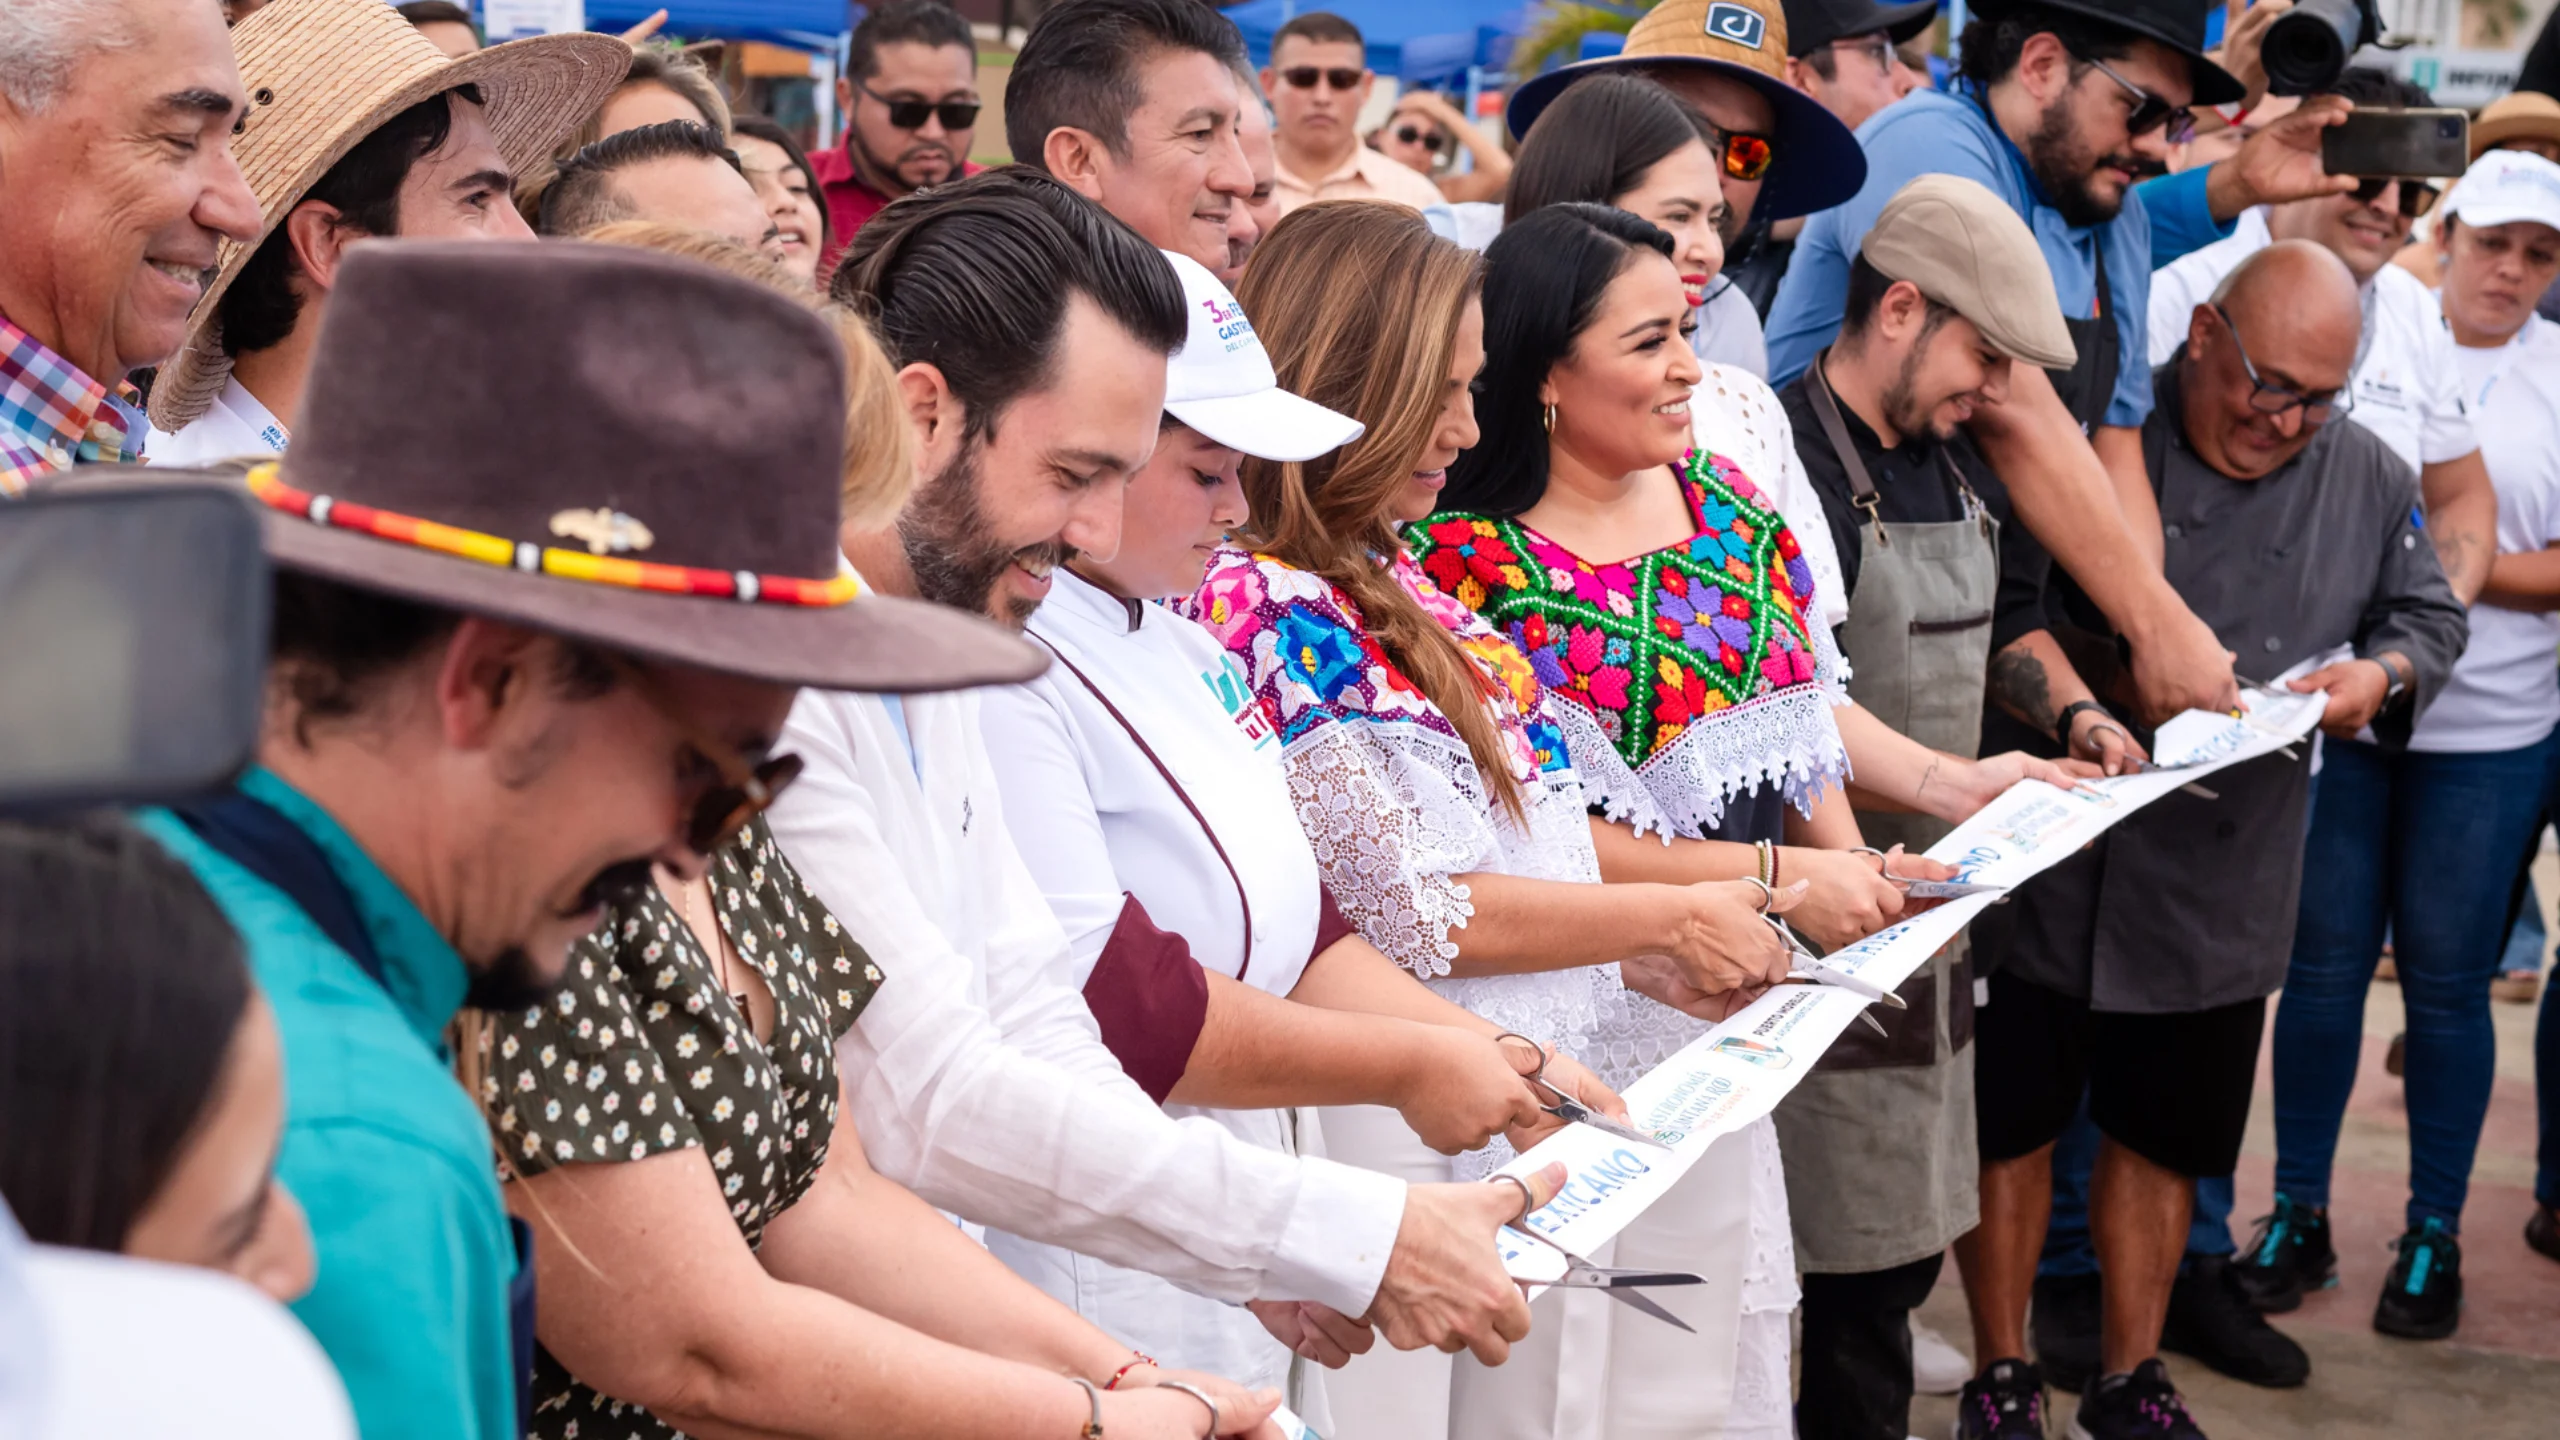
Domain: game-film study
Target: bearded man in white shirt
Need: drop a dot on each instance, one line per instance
(2407, 387)
(1031, 331)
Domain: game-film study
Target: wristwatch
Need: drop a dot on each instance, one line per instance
(2071, 712)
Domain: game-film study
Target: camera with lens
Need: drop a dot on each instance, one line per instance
(2307, 48)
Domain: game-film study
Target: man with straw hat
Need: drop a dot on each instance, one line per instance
(533, 634)
(358, 126)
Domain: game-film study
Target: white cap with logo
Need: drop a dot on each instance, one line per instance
(1221, 384)
(2503, 186)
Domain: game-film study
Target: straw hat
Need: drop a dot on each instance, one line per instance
(324, 74)
(2515, 115)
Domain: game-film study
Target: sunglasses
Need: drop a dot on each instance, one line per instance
(746, 789)
(1745, 156)
(2416, 196)
(1304, 77)
(910, 114)
(1414, 135)
(2150, 111)
(2268, 398)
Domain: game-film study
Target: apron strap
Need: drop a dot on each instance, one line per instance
(1246, 962)
(1862, 486)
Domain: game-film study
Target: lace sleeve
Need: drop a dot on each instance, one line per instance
(1390, 842)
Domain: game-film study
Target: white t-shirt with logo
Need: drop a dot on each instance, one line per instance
(2407, 388)
(236, 424)
(2505, 690)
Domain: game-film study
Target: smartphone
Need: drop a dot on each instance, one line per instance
(2414, 143)
(133, 666)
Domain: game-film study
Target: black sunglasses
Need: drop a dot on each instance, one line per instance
(2268, 398)
(2416, 196)
(910, 114)
(1415, 135)
(1340, 77)
(746, 789)
(2150, 111)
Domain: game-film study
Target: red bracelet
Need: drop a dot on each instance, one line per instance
(1136, 1359)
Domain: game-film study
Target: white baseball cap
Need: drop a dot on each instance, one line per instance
(2507, 185)
(1220, 382)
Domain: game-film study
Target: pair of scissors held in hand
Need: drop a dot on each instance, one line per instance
(1807, 969)
(1917, 889)
(1565, 1105)
(1618, 1285)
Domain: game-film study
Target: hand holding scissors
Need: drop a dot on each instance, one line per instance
(1557, 1101)
(1620, 1285)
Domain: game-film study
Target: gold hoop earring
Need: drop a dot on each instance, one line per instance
(1549, 416)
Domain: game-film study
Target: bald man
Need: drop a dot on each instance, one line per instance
(2139, 969)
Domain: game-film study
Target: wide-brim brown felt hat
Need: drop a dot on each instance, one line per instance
(486, 423)
(324, 74)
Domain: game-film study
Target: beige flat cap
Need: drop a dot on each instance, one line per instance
(1966, 250)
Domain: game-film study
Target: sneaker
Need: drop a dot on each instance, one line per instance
(2211, 1319)
(2063, 1326)
(1937, 1367)
(2005, 1401)
(2542, 1231)
(2422, 1296)
(2139, 1406)
(2289, 1257)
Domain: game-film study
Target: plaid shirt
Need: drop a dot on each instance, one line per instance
(53, 417)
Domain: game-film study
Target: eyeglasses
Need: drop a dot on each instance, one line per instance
(2271, 399)
(2150, 111)
(746, 789)
(1877, 47)
(1340, 77)
(1415, 135)
(910, 114)
(2416, 196)
(1745, 156)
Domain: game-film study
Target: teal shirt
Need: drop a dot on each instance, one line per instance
(384, 1150)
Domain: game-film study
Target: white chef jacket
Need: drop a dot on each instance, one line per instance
(2505, 690)
(977, 1076)
(1096, 822)
(235, 424)
(2408, 386)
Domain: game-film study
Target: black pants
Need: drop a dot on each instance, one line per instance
(1857, 1352)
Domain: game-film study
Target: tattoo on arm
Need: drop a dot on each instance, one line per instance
(2019, 685)
(2465, 558)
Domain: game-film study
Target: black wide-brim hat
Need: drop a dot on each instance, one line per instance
(1812, 24)
(537, 412)
(2178, 24)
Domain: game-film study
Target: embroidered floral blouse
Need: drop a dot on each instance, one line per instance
(1389, 793)
(1684, 678)
(644, 1051)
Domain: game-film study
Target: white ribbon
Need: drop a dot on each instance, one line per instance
(1740, 1070)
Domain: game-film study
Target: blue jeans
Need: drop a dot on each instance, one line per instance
(2067, 1247)
(2429, 844)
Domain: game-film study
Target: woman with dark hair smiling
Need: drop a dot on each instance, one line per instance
(141, 1076)
(784, 180)
(1431, 776)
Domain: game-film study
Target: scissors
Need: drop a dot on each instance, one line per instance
(1581, 1274)
(1808, 969)
(1570, 1107)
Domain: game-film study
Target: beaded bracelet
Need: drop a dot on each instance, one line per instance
(1768, 863)
(1136, 1359)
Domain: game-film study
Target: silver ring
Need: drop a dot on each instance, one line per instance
(1196, 1393)
(1528, 1197)
(1768, 897)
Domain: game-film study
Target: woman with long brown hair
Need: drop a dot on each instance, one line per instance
(1433, 781)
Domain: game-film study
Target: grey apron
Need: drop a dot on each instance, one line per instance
(1879, 1139)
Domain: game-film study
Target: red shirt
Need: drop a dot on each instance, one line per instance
(850, 202)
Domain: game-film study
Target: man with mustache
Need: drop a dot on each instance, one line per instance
(1030, 330)
(117, 189)
(479, 725)
(910, 100)
(2062, 106)
(2136, 971)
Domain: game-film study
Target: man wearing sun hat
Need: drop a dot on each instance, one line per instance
(358, 126)
(530, 637)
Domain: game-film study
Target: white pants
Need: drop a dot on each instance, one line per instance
(1592, 1368)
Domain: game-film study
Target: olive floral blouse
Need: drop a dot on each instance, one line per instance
(641, 1051)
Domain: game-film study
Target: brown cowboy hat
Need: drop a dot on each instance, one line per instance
(486, 424)
(324, 74)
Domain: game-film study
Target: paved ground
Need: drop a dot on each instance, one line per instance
(2497, 1379)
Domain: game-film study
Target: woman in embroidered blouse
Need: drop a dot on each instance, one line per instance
(1429, 772)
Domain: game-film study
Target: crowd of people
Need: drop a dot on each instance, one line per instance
(904, 798)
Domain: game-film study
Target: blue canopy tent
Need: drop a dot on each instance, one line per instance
(812, 25)
(1418, 42)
